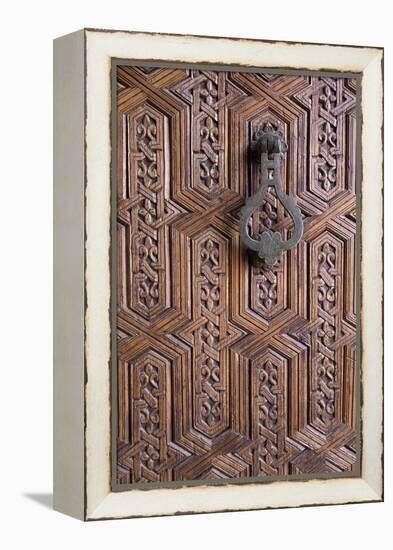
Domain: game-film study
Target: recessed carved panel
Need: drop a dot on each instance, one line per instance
(268, 413)
(226, 369)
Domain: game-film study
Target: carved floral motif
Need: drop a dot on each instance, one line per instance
(210, 95)
(268, 395)
(227, 369)
(325, 365)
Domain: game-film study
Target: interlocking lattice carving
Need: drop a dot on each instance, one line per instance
(227, 369)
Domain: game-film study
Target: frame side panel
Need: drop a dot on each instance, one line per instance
(68, 242)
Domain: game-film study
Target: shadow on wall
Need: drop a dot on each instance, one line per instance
(45, 499)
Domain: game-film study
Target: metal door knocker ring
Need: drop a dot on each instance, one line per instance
(268, 148)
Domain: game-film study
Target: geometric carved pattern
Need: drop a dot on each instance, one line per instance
(146, 138)
(149, 418)
(209, 94)
(210, 375)
(269, 397)
(150, 458)
(227, 369)
(327, 259)
(329, 101)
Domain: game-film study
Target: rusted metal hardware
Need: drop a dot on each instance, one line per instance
(269, 148)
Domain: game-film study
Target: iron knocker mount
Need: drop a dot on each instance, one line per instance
(268, 148)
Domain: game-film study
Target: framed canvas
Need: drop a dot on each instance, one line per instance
(218, 274)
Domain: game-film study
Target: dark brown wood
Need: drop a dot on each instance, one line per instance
(227, 369)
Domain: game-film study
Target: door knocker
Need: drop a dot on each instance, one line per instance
(268, 148)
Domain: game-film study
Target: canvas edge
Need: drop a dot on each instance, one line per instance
(370, 485)
(372, 272)
(68, 274)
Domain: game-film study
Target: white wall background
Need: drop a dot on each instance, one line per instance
(26, 272)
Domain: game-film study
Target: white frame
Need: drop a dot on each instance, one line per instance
(96, 500)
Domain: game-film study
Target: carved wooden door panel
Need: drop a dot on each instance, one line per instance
(226, 369)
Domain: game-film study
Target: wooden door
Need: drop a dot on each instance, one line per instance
(224, 369)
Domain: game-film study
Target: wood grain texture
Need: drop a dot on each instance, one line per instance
(227, 369)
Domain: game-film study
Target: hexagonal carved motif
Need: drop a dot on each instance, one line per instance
(226, 369)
